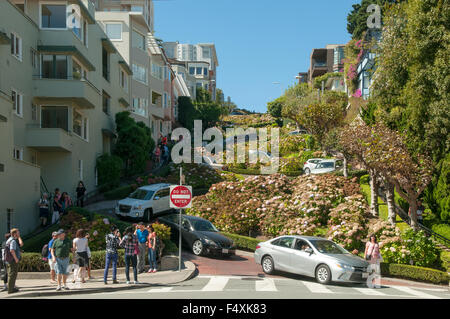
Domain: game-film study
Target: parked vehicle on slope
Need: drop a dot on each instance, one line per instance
(326, 166)
(310, 164)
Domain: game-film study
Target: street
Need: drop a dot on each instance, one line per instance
(239, 277)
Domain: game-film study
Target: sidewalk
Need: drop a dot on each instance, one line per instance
(38, 284)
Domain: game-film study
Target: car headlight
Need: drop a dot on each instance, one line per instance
(344, 266)
(210, 242)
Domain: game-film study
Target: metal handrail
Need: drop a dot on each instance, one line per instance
(405, 217)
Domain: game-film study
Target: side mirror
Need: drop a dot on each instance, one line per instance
(156, 198)
(309, 251)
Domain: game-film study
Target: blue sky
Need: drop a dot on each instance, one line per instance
(257, 42)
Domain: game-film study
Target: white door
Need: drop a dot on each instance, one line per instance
(161, 201)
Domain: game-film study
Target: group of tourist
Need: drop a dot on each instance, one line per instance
(60, 202)
(162, 151)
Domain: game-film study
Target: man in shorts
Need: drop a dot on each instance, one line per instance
(50, 258)
(61, 249)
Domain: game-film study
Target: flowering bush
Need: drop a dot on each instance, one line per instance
(293, 164)
(357, 93)
(162, 231)
(292, 144)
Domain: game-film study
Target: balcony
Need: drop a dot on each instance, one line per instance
(66, 91)
(48, 139)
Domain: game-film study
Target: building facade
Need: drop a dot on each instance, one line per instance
(62, 82)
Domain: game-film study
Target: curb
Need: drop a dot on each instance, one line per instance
(189, 271)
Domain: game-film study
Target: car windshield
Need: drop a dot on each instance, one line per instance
(326, 165)
(203, 225)
(141, 194)
(328, 247)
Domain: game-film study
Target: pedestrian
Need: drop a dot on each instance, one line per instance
(66, 202)
(157, 154)
(420, 211)
(81, 190)
(152, 249)
(166, 154)
(61, 248)
(57, 206)
(80, 256)
(372, 252)
(43, 209)
(50, 259)
(12, 257)
(4, 263)
(130, 243)
(142, 235)
(112, 243)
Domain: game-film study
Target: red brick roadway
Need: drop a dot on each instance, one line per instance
(244, 265)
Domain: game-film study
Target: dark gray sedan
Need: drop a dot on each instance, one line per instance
(311, 256)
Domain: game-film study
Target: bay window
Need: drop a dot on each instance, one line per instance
(80, 125)
(139, 73)
(138, 40)
(54, 66)
(53, 16)
(55, 117)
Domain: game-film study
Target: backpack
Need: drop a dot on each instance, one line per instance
(45, 252)
(8, 256)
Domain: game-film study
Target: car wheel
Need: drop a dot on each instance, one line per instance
(323, 274)
(307, 171)
(147, 215)
(268, 265)
(197, 247)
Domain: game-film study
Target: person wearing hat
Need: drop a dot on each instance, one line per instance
(61, 248)
(51, 263)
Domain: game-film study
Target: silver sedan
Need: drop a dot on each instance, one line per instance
(311, 256)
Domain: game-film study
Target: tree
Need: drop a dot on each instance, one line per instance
(412, 83)
(187, 113)
(297, 98)
(275, 108)
(134, 143)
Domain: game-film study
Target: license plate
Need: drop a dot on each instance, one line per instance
(225, 251)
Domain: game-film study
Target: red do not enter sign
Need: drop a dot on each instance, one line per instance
(180, 196)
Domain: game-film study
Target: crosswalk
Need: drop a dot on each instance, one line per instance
(205, 285)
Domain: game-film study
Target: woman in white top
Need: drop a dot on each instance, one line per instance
(80, 247)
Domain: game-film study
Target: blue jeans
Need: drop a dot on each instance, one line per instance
(110, 258)
(61, 266)
(131, 259)
(152, 258)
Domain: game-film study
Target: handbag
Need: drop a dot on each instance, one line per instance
(136, 249)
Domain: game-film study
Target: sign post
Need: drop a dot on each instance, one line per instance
(180, 197)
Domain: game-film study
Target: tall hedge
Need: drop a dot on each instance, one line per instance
(109, 168)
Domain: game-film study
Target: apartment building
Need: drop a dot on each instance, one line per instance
(202, 62)
(367, 66)
(326, 60)
(62, 81)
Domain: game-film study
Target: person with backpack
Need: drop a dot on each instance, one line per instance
(4, 268)
(12, 257)
(47, 254)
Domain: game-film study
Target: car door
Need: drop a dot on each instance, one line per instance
(318, 169)
(187, 234)
(281, 253)
(302, 262)
(161, 201)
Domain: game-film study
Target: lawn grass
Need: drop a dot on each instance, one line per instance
(383, 210)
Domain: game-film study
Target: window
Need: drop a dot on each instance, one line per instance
(123, 80)
(18, 153)
(85, 33)
(205, 71)
(300, 244)
(165, 100)
(16, 46)
(78, 72)
(53, 16)
(17, 99)
(54, 66)
(20, 4)
(137, 9)
(34, 59)
(140, 106)
(199, 71)
(139, 73)
(284, 242)
(156, 98)
(55, 117)
(105, 64)
(157, 71)
(114, 31)
(80, 170)
(206, 53)
(80, 125)
(191, 70)
(138, 40)
(106, 102)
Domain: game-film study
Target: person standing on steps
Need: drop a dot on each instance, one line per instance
(81, 190)
(57, 206)
(142, 235)
(43, 209)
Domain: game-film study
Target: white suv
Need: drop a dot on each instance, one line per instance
(145, 202)
(311, 164)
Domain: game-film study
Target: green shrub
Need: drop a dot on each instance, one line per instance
(415, 273)
(118, 193)
(364, 179)
(288, 165)
(162, 231)
(243, 242)
(445, 260)
(292, 144)
(245, 171)
(169, 247)
(442, 229)
(109, 168)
